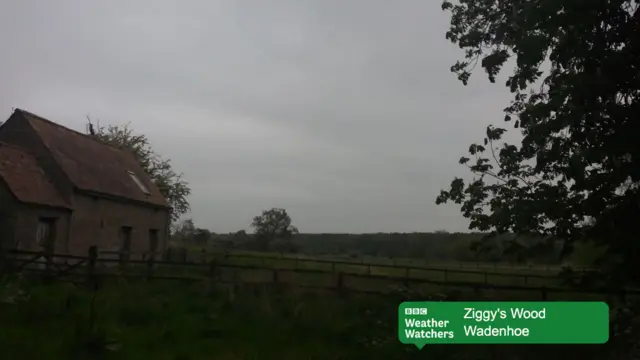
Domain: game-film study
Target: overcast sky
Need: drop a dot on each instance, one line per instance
(344, 113)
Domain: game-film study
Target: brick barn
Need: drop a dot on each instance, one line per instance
(64, 191)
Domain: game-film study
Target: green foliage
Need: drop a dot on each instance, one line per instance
(172, 186)
(184, 228)
(579, 158)
(169, 321)
(437, 247)
(185, 233)
(271, 225)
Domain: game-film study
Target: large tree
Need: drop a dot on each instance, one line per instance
(575, 85)
(273, 225)
(171, 184)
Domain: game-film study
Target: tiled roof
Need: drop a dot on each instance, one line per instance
(26, 180)
(94, 165)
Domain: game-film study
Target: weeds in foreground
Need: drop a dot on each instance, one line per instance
(174, 321)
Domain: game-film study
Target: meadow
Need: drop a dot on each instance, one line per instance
(257, 306)
(172, 320)
(491, 280)
(412, 262)
(387, 273)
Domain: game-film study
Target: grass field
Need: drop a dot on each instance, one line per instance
(452, 272)
(353, 284)
(413, 262)
(376, 277)
(175, 321)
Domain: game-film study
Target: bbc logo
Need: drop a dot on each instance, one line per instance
(415, 311)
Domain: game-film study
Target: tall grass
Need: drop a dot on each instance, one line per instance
(176, 321)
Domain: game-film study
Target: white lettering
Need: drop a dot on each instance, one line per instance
(474, 330)
(484, 315)
(428, 334)
(520, 313)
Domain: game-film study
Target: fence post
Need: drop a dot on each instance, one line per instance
(4, 262)
(544, 293)
(48, 263)
(405, 282)
(124, 259)
(340, 283)
(8, 260)
(91, 263)
(213, 269)
(150, 263)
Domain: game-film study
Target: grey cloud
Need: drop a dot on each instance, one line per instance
(345, 113)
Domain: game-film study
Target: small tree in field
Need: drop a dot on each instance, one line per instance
(271, 225)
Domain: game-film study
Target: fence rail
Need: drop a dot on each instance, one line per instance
(411, 262)
(64, 265)
(348, 266)
(397, 262)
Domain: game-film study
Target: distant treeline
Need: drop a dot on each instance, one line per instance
(436, 246)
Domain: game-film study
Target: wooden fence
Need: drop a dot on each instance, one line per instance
(411, 262)
(284, 262)
(183, 253)
(92, 266)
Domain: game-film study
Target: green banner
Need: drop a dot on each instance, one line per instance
(423, 323)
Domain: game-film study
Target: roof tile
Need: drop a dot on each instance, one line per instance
(26, 180)
(94, 165)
